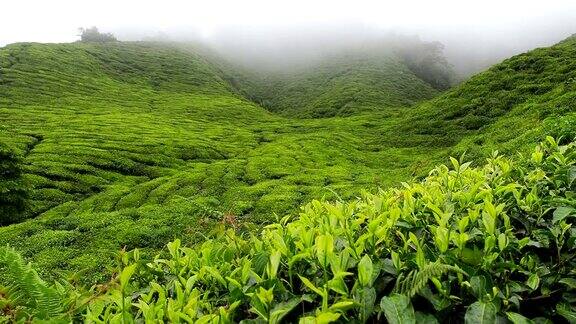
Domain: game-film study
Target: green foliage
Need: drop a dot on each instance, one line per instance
(133, 145)
(427, 61)
(416, 280)
(13, 191)
(398, 309)
(465, 244)
(481, 312)
(516, 102)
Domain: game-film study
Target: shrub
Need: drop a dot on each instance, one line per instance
(13, 192)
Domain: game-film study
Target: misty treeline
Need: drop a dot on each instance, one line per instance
(92, 34)
(292, 50)
(280, 51)
(427, 61)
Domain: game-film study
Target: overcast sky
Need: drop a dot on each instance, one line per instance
(58, 20)
(506, 26)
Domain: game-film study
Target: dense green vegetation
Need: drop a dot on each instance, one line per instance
(116, 146)
(134, 144)
(92, 34)
(479, 245)
(427, 61)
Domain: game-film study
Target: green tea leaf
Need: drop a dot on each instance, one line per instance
(215, 273)
(326, 317)
(324, 248)
(478, 285)
(561, 213)
(455, 163)
(272, 268)
(342, 306)
(572, 175)
(422, 318)
(533, 281)
(516, 318)
(282, 309)
(126, 275)
(502, 241)
(338, 284)
(570, 282)
(310, 285)
(398, 309)
(365, 270)
(322, 318)
(206, 319)
(567, 312)
(480, 313)
(366, 298)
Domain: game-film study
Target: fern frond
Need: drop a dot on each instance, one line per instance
(26, 289)
(416, 280)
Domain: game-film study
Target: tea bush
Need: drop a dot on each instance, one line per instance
(475, 245)
(342, 84)
(506, 105)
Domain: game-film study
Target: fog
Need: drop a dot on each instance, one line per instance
(468, 49)
(268, 34)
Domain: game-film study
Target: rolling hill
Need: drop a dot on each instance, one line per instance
(511, 104)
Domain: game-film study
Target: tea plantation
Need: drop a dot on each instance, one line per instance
(119, 146)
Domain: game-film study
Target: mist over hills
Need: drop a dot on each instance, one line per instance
(338, 86)
(334, 74)
(469, 48)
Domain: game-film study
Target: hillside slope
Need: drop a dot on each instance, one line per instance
(511, 104)
(339, 85)
(89, 115)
